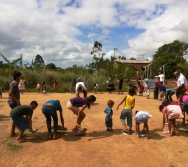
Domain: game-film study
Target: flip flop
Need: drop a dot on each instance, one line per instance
(169, 134)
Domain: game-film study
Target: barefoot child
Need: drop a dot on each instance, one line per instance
(78, 105)
(109, 113)
(22, 118)
(171, 112)
(49, 110)
(129, 102)
(142, 117)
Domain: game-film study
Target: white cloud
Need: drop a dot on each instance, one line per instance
(64, 34)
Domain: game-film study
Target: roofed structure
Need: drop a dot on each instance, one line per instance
(135, 63)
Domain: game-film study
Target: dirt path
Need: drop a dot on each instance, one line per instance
(98, 148)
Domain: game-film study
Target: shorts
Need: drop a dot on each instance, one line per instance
(20, 122)
(142, 118)
(126, 113)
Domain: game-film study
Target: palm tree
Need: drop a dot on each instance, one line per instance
(10, 64)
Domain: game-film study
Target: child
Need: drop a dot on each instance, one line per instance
(44, 87)
(109, 114)
(183, 102)
(156, 88)
(95, 87)
(120, 81)
(14, 96)
(168, 94)
(49, 110)
(141, 88)
(171, 112)
(129, 102)
(142, 117)
(22, 118)
(147, 88)
(22, 85)
(38, 87)
(162, 89)
(74, 105)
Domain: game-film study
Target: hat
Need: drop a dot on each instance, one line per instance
(186, 88)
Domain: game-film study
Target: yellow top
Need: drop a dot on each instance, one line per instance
(128, 102)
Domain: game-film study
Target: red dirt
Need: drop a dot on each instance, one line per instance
(98, 147)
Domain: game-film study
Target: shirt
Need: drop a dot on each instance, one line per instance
(56, 104)
(128, 102)
(83, 87)
(19, 111)
(79, 102)
(181, 80)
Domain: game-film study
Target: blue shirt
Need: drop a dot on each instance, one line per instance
(107, 110)
(56, 104)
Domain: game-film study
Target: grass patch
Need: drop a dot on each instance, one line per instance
(9, 145)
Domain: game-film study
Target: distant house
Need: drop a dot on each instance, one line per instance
(137, 64)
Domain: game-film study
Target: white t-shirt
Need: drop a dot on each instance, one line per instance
(161, 76)
(181, 80)
(83, 86)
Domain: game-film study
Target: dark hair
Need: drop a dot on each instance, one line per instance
(16, 75)
(132, 91)
(91, 98)
(34, 103)
(110, 102)
(58, 101)
(136, 112)
(161, 107)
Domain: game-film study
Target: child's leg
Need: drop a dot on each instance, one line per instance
(183, 112)
(169, 125)
(129, 120)
(12, 133)
(147, 128)
(80, 118)
(174, 125)
(122, 118)
(138, 128)
(20, 135)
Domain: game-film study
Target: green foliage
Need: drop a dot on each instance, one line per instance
(51, 66)
(172, 55)
(38, 62)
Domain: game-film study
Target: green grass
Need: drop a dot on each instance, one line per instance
(9, 145)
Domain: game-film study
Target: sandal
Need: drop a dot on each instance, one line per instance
(55, 136)
(168, 134)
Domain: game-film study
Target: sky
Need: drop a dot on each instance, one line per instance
(63, 31)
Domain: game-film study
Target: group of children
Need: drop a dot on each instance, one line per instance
(140, 116)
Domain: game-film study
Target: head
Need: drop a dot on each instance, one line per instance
(136, 112)
(176, 74)
(132, 91)
(160, 72)
(110, 103)
(138, 83)
(34, 104)
(161, 108)
(17, 76)
(91, 99)
(79, 88)
(58, 101)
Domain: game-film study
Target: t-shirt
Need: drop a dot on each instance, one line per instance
(107, 110)
(79, 102)
(128, 102)
(83, 86)
(19, 111)
(56, 104)
(161, 76)
(170, 90)
(181, 80)
(15, 89)
(173, 112)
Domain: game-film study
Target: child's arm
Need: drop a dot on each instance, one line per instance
(121, 102)
(62, 120)
(30, 125)
(110, 113)
(163, 120)
(133, 104)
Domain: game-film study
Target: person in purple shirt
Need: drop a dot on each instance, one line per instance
(77, 105)
(49, 110)
(14, 96)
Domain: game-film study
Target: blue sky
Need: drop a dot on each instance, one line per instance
(63, 31)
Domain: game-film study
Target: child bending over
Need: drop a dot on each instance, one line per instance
(142, 117)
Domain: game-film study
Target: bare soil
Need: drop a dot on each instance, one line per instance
(98, 148)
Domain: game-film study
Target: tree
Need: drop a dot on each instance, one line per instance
(172, 55)
(11, 65)
(38, 62)
(51, 66)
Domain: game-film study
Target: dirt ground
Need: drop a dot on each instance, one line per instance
(98, 148)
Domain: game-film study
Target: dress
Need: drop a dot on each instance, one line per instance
(22, 84)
